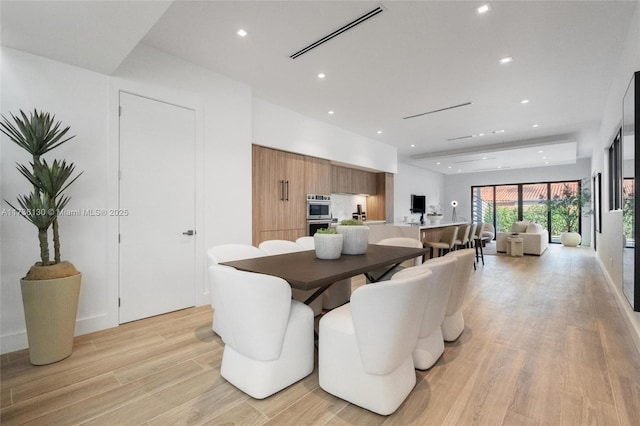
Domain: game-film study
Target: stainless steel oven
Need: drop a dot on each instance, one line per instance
(318, 207)
(314, 224)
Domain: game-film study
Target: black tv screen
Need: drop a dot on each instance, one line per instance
(418, 203)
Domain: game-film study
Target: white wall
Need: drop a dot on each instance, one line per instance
(458, 187)
(280, 128)
(610, 240)
(415, 180)
(78, 98)
(88, 102)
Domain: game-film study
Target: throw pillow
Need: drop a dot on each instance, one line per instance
(519, 226)
(534, 228)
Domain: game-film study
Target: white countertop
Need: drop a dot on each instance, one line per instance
(442, 224)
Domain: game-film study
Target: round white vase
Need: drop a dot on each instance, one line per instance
(570, 239)
(328, 246)
(435, 219)
(356, 238)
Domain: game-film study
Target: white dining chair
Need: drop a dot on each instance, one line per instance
(273, 247)
(306, 243)
(270, 340)
(227, 253)
(430, 345)
(397, 242)
(364, 356)
(453, 323)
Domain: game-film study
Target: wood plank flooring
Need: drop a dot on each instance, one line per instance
(545, 344)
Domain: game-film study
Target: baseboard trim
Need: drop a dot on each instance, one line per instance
(18, 341)
(632, 324)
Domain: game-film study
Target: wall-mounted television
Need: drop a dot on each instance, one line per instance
(418, 204)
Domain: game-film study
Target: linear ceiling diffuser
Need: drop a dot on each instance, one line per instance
(437, 110)
(337, 32)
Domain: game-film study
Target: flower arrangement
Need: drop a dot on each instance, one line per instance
(435, 210)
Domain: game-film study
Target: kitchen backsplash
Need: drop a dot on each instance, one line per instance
(344, 205)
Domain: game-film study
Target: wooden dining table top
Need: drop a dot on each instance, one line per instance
(304, 271)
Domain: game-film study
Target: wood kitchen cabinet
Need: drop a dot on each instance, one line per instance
(353, 181)
(279, 195)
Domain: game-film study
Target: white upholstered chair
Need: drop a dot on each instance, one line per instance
(453, 323)
(365, 357)
(269, 342)
(430, 345)
(227, 253)
(339, 292)
(272, 247)
(445, 243)
(306, 243)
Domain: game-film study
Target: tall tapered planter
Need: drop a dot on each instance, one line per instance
(50, 308)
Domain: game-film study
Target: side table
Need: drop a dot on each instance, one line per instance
(514, 246)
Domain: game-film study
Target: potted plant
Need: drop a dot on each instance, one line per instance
(51, 287)
(565, 210)
(356, 236)
(435, 214)
(327, 243)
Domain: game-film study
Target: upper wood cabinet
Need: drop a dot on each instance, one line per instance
(353, 181)
(317, 175)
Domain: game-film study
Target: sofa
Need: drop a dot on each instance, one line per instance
(535, 238)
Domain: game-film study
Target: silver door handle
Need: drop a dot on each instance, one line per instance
(189, 232)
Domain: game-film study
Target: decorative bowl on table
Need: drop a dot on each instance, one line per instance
(356, 236)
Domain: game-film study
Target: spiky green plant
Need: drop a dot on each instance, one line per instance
(351, 222)
(38, 134)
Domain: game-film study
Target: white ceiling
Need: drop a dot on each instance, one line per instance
(414, 57)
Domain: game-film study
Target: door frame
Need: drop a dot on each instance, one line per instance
(178, 98)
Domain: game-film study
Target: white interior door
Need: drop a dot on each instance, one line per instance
(157, 207)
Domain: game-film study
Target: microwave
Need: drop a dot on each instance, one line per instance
(318, 206)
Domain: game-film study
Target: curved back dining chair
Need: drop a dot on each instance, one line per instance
(453, 323)
(364, 357)
(227, 253)
(273, 247)
(307, 243)
(430, 345)
(270, 336)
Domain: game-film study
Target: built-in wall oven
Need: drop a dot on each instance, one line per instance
(318, 212)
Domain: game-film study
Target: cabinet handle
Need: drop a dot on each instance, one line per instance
(287, 186)
(281, 190)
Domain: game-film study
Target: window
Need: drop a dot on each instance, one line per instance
(554, 205)
(615, 173)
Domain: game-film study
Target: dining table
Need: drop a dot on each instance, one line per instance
(304, 271)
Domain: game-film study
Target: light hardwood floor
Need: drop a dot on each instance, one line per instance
(545, 344)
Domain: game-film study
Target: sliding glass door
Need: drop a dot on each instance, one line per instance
(548, 204)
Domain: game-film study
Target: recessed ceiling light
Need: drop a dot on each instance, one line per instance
(459, 171)
(524, 101)
(330, 112)
(484, 158)
(546, 162)
(506, 60)
(412, 145)
(544, 158)
(480, 134)
(499, 167)
(536, 125)
(499, 131)
(379, 132)
(484, 8)
(438, 163)
(540, 152)
(321, 75)
(449, 167)
(241, 32)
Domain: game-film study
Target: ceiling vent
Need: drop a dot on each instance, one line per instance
(459, 137)
(437, 110)
(337, 32)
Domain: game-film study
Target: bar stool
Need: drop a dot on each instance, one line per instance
(477, 242)
(462, 240)
(446, 242)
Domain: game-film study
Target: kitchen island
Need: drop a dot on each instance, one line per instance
(426, 232)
